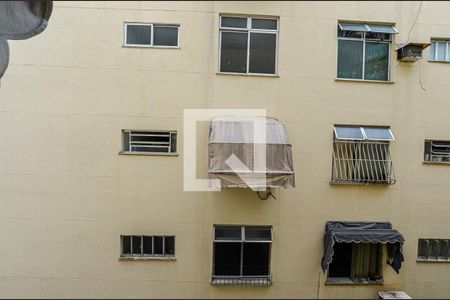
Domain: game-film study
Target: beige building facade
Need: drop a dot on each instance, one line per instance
(67, 194)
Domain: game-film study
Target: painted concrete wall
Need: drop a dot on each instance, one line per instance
(66, 195)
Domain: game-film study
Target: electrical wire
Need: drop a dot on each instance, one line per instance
(412, 27)
(420, 75)
(267, 195)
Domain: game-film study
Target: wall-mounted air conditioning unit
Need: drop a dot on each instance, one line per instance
(411, 52)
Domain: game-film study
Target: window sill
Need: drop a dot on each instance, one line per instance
(147, 154)
(439, 61)
(153, 47)
(349, 281)
(436, 162)
(248, 74)
(420, 260)
(147, 258)
(363, 80)
(242, 281)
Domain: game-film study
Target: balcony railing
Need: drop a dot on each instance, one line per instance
(362, 162)
(242, 280)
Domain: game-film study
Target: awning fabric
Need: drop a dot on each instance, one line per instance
(363, 232)
(21, 20)
(243, 137)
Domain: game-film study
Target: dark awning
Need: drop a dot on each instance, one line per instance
(363, 232)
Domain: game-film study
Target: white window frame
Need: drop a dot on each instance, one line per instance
(364, 39)
(170, 132)
(152, 25)
(435, 56)
(249, 30)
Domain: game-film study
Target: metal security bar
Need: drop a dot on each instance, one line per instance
(242, 280)
(437, 151)
(362, 162)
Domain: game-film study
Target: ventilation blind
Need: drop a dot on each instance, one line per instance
(437, 151)
(149, 141)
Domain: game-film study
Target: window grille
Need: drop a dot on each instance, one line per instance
(362, 159)
(153, 142)
(437, 151)
(434, 250)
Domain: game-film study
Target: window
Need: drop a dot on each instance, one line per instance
(437, 151)
(149, 142)
(151, 35)
(364, 51)
(147, 246)
(248, 45)
(434, 250)
(242, 255)
(355, 263)
(439, 50)
(361, 155)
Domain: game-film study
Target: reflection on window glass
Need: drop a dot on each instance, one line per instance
(377, 61)
(264, 24)
(234, 22)
(441, 49)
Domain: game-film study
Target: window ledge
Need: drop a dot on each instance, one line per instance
(349, 281)
(363, 80)
(436, 162)
(152, 47)
(249, 75)
(147, 154)
(242, 281)
(146, 258)
(420, 260)
(439, 61)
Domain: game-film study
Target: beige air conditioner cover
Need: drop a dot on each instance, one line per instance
(244, 137)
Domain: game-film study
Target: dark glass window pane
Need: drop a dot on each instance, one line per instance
(234, 22)
(148, 245)
(228, 233)
(264, 24)
(165, 36)
(233, 52)
(258, 234)
(377, 61)
(350, 59)
(169, 245)
(341, 265)
(158, 247)
(138, 35)
(227, 259)
(352, 34)
(378, 36)
(126, 141)
(126, 245)
(256, 259)
(262, 53)
(150, 149)
(151, 137)
(137, 245)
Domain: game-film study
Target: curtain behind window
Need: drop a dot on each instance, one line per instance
(350, 59)
(365, 261)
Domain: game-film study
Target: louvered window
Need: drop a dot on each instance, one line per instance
(361, 155)
(434, 250)
(149, 142)
(437, 151)
(147, 246)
